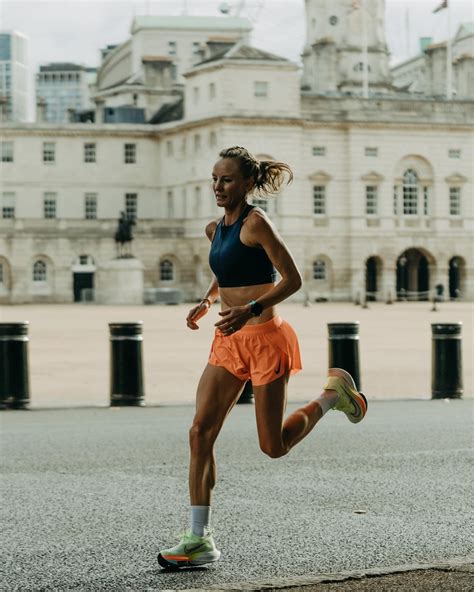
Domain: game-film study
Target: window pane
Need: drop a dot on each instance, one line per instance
(89, 152)
(455, 201)
(39, 271)
(48, 152)
(319, 199)
(319, 151)
(131, 200)
(49, 205)
(166, 271)
(7, 151)
(91, 206)
(260, 89)
(410, 192)
(371, 199)
(261, 203)
(319, 270)
(130, 153)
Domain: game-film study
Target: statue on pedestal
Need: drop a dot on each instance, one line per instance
(124, 236)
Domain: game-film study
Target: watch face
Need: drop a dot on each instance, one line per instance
(333, 20)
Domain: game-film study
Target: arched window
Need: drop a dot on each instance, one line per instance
(410, 192)
(39, 271)
(166, 271)
(319, 270)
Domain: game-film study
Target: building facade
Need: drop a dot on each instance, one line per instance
(61, 87)
(14, 71)
(381, 205)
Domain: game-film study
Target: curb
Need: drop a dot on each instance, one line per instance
(451, 564)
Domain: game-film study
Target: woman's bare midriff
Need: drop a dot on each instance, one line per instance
(243, 295)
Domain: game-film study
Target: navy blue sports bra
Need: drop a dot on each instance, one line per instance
(235, 264)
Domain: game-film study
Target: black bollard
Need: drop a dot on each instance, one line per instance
(14, 376)
(446, 362)
(344, 348)
(126, 367)
(247, 393)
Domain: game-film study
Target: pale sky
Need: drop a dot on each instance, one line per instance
(75, 30)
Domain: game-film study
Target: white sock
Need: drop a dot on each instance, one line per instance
(327, 400)
(200, 520)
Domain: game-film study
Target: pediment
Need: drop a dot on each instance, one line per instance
(456, 178)
(373, 177)
(320, 177)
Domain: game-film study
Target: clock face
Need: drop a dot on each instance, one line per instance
(333, 20)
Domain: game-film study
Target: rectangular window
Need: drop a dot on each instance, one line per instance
(49, 152)
(454, 153)
(7, 151)
(212, 139)
(131, 200)
(2, 275)
(197, 202)
(89, 152)
(426, 201)
(410, 200)
(197, 143)
(371, 200)
(8, 205)
(319, 150)
(371, 151)
(319, 200)
(49, 205)
(395, 200)
(196, 47)
(455, 201)
(90, 206)
(196, 94)
(130, 153)
(172, 48)
(169, 148)
(260, 89)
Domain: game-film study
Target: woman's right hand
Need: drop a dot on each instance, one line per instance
(195, 314)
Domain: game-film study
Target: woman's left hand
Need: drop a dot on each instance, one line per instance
(233, 319)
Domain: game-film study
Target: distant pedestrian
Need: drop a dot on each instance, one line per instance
(251, 341)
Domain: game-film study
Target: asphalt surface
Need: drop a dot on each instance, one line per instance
(91, 495)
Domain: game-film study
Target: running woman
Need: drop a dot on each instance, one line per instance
(251, 342)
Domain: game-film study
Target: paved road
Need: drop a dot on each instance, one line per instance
(90, 495)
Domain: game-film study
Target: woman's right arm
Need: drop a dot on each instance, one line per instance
(211, 293)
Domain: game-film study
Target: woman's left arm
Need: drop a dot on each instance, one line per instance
(261, 230)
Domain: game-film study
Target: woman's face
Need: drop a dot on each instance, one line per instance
(228, 184)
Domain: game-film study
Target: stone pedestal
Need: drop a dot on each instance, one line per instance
(120, 281)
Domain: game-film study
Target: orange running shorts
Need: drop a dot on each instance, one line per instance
(260, 353)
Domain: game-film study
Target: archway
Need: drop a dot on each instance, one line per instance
(83, 279)
(373, 275)
(413, 275)
(457, 275)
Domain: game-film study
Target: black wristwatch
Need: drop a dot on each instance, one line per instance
(255, 308)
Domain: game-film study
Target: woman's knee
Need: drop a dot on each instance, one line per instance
(273, 449)
(201, 436)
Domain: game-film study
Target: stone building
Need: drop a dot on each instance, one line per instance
(381, 204)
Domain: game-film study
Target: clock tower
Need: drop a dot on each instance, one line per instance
(337, 31)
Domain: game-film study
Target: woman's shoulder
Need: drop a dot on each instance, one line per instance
(211, 228)
(257, 219)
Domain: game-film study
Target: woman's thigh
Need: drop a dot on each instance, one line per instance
(270, 407)
(218, 391)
